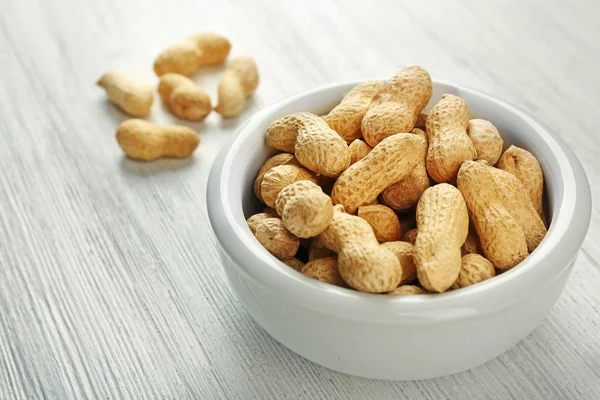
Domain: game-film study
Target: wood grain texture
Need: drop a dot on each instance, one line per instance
(110, 283)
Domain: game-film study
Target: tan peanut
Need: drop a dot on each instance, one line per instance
(339, 208)
(407, 290)
(523, 165)
(363, 264)
(278, 159)
(185, 99)
(516, 200)
(474, 269)
(239, 81)
(396, 107)
(317, 250)
(255, 220)
(294, 263)
(358, 150)
(443, 223)
(421, 121)
(316, 146)
(325, 270)
(181, 58)
(405, 253)
(390, 161)
(502, 239)
(471, 244)
(486, 140)
(406, 193)
(142, 140)
(131, 96)
(305, 210)
(291, 190)
(383, 220)
(346, 117)
(279, 177)
(188, 55)
(449, 144)
(276, 239)
(215, 48)
(411, 236)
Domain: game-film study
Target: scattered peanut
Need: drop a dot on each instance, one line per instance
(474, 269)
(449, 144)
(405, 253)
(278, 159)
(276, 239)
(486, 140)
(443, 223)
(305, 210)
(383, 220)
(325, 270)
(131, 96)
(185, 99)
(188, 55)
(215, 48)
(526, 168)
(239, 81)
(407, 290)
(396, 107)
(279, 177)
(406, 193)
(347, 116)
(142, 140)
(502, 239)
(363, 264)
(358, 150)
(363, 181)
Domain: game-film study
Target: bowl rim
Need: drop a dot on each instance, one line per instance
(560, 246)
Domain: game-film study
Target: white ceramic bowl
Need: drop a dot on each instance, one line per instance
(409, 337)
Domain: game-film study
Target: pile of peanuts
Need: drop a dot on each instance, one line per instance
(142, 140)
(379, 197)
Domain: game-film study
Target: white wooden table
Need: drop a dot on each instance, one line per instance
(110, 284)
